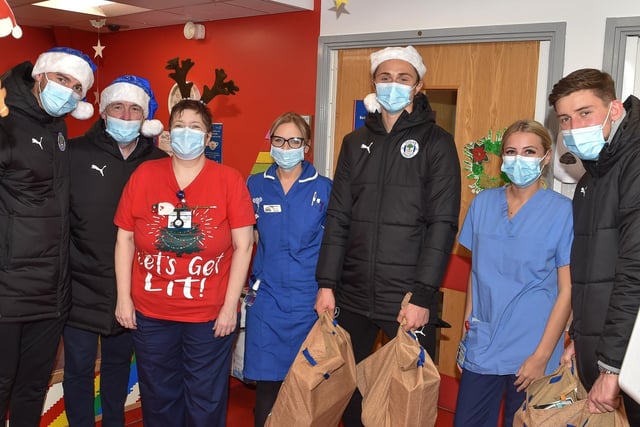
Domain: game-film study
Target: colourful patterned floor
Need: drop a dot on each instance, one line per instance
(240, 412)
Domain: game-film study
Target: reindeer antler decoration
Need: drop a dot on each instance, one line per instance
(180, 75)
(220, 87)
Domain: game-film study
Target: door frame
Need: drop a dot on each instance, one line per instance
(615, 45)
(328, 47)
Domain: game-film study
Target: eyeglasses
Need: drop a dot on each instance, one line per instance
(294, 142)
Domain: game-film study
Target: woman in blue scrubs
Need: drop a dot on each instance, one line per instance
(290, 202)
(519, 295)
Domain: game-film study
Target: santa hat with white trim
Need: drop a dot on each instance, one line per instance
(8, 24)
(136, 90)
(74, 63)
(408, 54)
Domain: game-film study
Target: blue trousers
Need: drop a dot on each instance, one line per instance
(183, 372)
(480, 397)
(26, 360)
(80, 351)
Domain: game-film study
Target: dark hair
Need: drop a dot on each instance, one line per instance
(297, 120)
(194, 105)
(528, 126)
(412, 67)
(599, 82)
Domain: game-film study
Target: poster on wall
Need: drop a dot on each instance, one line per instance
(213, 150)
(163, 141)
(359, 113)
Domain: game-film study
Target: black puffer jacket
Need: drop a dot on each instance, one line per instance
(34, 206)
(393, 214)
(605, 257)
(98, 175)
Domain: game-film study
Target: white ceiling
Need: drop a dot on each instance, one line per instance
(161, 13)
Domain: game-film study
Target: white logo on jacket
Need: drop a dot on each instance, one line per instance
(367, 147)
(583, 190)
(101, 170)
(38, 143)
(409, 148)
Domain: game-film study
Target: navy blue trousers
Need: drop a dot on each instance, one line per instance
(183, 372)
(80, 352)
(26, 360)
(480, 397)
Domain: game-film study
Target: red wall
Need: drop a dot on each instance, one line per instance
(273, 59)
(27, 48)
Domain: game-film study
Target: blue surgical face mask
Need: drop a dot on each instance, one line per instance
(393, 97)
(586, 143)
(123, 131)
(58, 100)
(287, 159)
(522, 171)
(187, 143)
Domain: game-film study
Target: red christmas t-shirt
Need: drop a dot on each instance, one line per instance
(183, 251)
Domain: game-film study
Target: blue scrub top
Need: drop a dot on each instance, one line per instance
(514, 277)
(290, 229)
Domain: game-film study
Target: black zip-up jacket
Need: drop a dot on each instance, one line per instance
(34, 206)
(393, 214)
(98, 175)
(605, 256)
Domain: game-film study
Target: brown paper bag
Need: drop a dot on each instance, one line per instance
(563, 385)
(320, 382)
(399, 385)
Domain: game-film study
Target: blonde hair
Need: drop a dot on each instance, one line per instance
(534, 127)
(297, 120)
(528, 126)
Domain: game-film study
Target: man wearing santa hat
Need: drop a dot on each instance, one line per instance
(101, 162)
(34, 223)
(393, 214)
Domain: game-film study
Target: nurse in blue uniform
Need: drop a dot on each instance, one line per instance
(290, 201)
(519, 296)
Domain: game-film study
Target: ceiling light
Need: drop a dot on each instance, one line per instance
(90, 7)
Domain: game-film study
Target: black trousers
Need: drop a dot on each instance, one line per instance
(633, 410)
(364, 332)
(26, 361)
(266, 394)
(80, 352)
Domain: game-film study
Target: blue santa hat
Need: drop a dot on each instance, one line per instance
(136, 90)
(74, 63)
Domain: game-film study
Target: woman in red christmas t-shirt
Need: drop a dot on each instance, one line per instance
(182, 255)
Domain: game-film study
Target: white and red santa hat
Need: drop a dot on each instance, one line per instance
(408, 54)
(136, 90)
(8, 24)
(74, 63)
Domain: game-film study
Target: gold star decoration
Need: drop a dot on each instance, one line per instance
(98, 48)
(339, 7)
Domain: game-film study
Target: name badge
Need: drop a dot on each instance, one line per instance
(272, 208)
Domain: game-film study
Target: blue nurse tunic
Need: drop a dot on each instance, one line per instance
(290, 229)
(514, 277)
